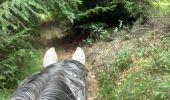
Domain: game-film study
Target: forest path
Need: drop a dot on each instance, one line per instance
(53, 35)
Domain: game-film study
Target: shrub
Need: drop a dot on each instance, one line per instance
(108, 75)
(140, 74)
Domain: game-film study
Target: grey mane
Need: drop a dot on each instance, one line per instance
(65, 80)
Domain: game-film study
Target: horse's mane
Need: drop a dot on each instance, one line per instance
(65, 80)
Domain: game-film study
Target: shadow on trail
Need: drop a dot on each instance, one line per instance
(66, 45)
(56, 36)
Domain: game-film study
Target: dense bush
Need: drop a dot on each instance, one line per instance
(19, 23)
(111, 13)
(15, 47)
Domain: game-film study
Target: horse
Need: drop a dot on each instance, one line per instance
(63, 80)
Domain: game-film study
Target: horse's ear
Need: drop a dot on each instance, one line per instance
(50, 57)
(79, 55)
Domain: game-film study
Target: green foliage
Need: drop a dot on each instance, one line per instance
(123, 60)
(4, 94)
(97, 11)
(96, 31)
(95, 17)
(18, 14)
(23, 13)
(108, 76)
(136, 86)
(125, 10)
(14, 51)
(62, 8)
(17, 17)
(141, 74)
(19, 22)
(87, 4)
(163, 87)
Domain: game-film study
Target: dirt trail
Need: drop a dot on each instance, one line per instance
(65, 44)
(54, 36)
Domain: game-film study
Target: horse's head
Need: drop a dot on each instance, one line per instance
(64, 80)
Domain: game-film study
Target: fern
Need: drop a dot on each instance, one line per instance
(18, 13)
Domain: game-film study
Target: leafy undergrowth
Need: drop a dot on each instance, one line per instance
(5, 94)
(138, 68)
(26, 71)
